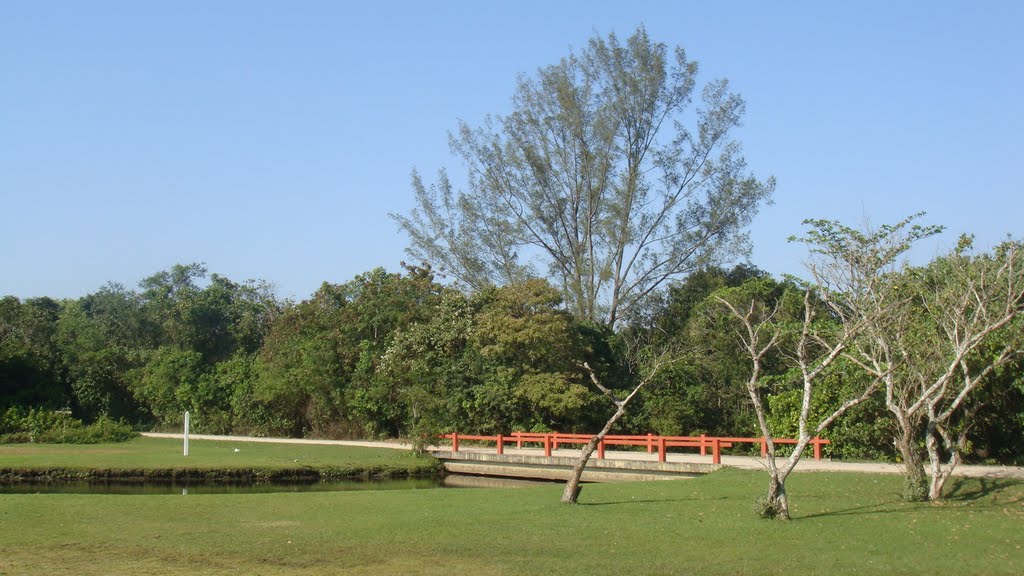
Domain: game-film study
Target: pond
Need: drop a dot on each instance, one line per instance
(195, 488)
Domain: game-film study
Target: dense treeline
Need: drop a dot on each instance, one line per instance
(399, 354)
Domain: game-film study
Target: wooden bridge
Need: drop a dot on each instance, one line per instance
(545, 456)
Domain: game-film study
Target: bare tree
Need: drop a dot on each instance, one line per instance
(813, 345)
(641, 359)
(865, 265)
(844, 312)
(933, 334)
(963, 311)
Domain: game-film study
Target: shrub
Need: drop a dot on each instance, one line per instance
(18, 425)
(766, 507)
(915, 488)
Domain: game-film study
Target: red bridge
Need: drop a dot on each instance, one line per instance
(552, 440)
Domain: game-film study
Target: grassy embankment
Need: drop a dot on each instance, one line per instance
(156, 458)
(844, 524)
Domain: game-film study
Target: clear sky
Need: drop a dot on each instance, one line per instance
(271, 139)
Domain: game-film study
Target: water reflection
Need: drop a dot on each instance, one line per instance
(194, 488)
(469, 481)
(197, 488)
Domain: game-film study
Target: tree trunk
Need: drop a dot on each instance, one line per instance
(939, 476)
(572, 487)
(915, 481)
(937, 472)
(776, 504)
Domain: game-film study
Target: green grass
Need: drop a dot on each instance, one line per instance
(165, 456)
(843, 524)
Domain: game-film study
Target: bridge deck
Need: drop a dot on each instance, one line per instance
(617, 466)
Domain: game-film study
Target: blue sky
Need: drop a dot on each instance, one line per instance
(271, 139)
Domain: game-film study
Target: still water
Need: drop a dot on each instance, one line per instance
(194, 488)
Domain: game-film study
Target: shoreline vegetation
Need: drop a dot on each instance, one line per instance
(254, 475)
(157, 459)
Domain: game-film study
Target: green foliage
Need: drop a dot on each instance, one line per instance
(30, 367)
(215, 320)
(298, 373)
(389, 354)
(863, 433)
(171, 381)
(507, 359)
(870, 252)
(681, 403)
(148, 357)
(703, 393)
(531, 347)
(997, 434)
(19, 425)
(376, 399)
(102, 337)
(317, 373)
(958, 294)
(934, 336)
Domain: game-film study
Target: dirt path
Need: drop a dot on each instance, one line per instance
(745, 462)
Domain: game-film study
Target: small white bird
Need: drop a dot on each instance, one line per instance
(237, 450)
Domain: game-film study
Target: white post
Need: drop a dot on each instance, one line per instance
(186, 433)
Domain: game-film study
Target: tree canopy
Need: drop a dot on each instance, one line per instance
(603, 178)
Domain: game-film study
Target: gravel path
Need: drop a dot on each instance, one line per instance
(746, 462)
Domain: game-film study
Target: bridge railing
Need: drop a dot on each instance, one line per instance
(552, 440)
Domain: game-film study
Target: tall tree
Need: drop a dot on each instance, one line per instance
(602, 178)
(102, 338)
(30, 366)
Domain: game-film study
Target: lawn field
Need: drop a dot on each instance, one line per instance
(843, 524)
(165, 455)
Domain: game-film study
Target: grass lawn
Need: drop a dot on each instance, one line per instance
(166, 454)
(844, 524)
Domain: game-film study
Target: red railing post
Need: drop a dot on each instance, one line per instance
(519, 439)
(703, 444)
(716, 451)
(661, 449)
(455, 441)
(501, 444)
(554, 441)
(764, 446)
(547, 445)
(650, 443)
(817, 448)
(600, 448)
